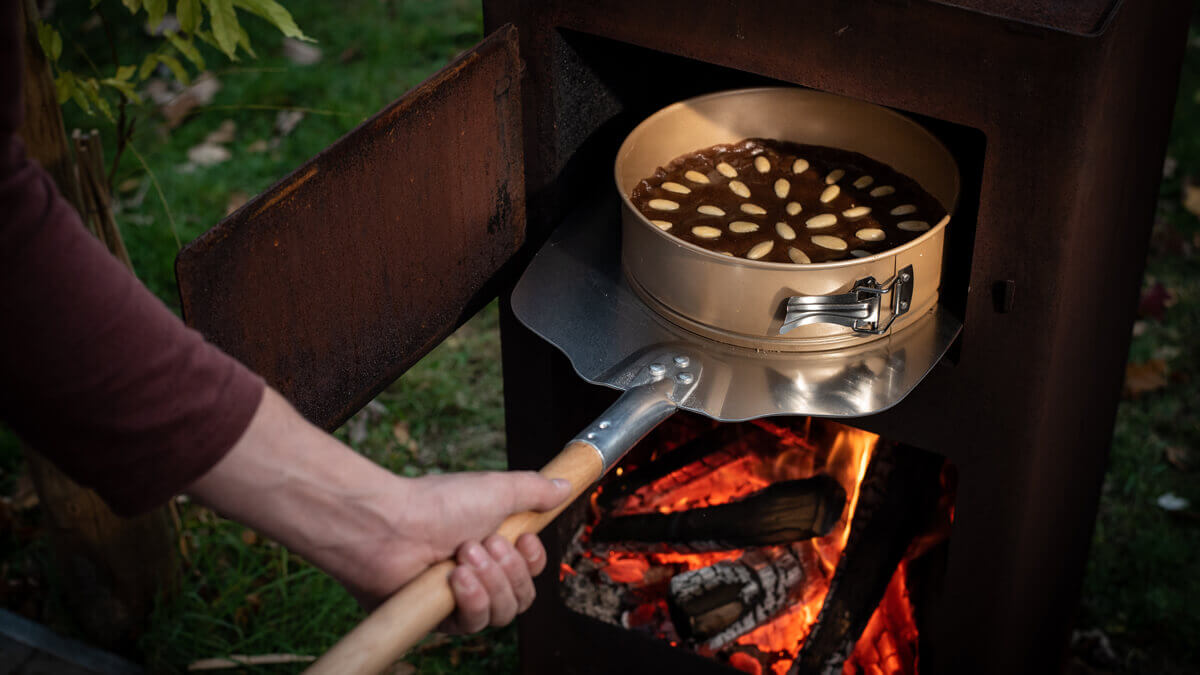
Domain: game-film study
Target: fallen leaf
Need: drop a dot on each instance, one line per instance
(249, 538)
(349, 54)
(200, 93)
(129, 184)
(1170, 164)
(300, 53)
(1191, 197)
(401, 433)
(1155, 301)
(237, 198)
(1180, 458)
(1143, 378)
(223, 133)
(257, 147)
(287, 120)
(1170, 502)
(208, 154)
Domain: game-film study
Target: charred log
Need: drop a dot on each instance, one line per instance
(716, 604)
(697, 457)
(897, 498)
(779, 514)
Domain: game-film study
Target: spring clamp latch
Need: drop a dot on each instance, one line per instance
(859, 309)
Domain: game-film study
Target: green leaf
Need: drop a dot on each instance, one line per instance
(50, 41)
(93, 94)
(124, 73)
(244, 40)
(64, 87)
(188, 13)
(156, 9)
(207, 37)
(176, 67)
(132, 5)
(147, 67)
(275, 13)
(79, 95)
(124, 87)
(188, 50)
(224, 25)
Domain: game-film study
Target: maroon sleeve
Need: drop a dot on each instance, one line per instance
(95, 372)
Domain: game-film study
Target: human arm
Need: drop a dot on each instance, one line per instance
(373, 530)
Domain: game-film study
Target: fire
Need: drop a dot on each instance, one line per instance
(887, 645)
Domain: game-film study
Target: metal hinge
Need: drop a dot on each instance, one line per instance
(858, 309)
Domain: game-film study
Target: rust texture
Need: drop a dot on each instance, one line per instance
(335, 280)
(1058, 118)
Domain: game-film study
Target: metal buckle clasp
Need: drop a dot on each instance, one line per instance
(859, 309)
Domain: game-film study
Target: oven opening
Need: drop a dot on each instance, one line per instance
(764, 543)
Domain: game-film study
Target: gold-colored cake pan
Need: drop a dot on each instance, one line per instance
(744, 302)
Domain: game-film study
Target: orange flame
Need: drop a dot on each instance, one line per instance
(889, 642)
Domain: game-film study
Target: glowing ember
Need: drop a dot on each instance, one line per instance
(888, 644)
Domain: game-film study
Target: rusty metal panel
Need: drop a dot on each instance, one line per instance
(1081, 17)
(339, 277)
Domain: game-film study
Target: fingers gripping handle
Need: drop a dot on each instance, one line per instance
(406, 617)
(409, 615)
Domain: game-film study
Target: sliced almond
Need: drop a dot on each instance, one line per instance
(663, 205)
(696, 177)
(739, 188)
(913, 225)
(856, 212)
(785, 231)
(706, 232)
(823, 220)
(863, 182)
(904, 210)
(882, 191)
(830, 193)
(662, 224)
(726, 170)
(834, 176)
(752, 209)
(800, 166)
(760, 249)
(870, 234)
(793, 208)
(798, 256)
(725, 253)
(829, 242)
(762, 164)
(710, 210)
(859, 253)
(670, 186)
(782, 188)
(743, 226)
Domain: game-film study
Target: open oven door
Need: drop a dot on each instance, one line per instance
(342, 275)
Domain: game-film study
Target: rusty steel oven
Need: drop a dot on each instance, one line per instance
(338, 278)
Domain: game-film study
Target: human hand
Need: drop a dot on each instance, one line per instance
(374, 531)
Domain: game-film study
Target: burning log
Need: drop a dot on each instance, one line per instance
(695, 458)
(779, 514)
(716, 604)
(898, 495)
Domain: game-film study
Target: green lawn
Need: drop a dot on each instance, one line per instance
(247, 596)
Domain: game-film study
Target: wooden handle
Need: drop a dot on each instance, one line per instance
(409, 615)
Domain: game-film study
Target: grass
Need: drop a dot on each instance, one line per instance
(244, 595)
